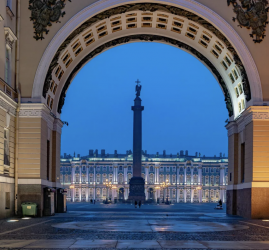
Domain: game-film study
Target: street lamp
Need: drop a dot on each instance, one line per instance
(165, 185)
(108, 186)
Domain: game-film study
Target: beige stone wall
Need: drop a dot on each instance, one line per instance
(29, 147)
(260, 150)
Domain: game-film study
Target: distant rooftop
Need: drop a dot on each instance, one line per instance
(163, 157)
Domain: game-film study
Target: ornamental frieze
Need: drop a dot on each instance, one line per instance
(150, 7)
(251, 14)
(44, 13)
(148, 38)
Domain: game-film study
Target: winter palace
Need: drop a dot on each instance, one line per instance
(187, 178)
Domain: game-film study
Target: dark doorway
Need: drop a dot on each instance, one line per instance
(121, 194)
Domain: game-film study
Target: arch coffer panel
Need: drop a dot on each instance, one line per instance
(176, 26)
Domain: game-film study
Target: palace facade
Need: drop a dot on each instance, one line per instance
(189, 178)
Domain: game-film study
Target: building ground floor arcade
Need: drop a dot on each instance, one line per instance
(188, 178)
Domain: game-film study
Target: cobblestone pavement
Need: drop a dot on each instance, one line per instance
(180, 226)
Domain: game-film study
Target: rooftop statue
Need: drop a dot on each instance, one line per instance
(138, 88)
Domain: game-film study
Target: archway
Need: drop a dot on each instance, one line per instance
(187, 25)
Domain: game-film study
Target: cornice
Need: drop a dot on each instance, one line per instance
(35, 110)
(253, 113)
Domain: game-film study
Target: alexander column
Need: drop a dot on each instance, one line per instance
(137, 183)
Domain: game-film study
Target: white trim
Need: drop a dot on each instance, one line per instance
(191, 5)
(7, 179)
(39, 182)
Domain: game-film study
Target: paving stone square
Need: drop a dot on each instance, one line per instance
(121, 226)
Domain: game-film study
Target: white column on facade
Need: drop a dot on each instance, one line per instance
(80, 168)
(185, 195)
(146, 193)
(73, 194)
(125, 175)
(185, 175)
(222, 176)
(177, 174)
(87, 174)
(191, 175)
(199, 175)
(156, 194)
(146, 174)
(200, 195)
(178, 194)
(80, 194)
(87, 194)
(192, 194)
(155, 175)
(94, 192)
(94, 174)
(73, 174)
(158, 175)
(116, 172)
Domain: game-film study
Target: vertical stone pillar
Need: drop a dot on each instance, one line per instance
(200, 175)
(155, 175)
(248, 186)
(177, 174)
(87, 174)
(178, 194)
(158, 175)
(73, 194)
(137, 188)
(185, 175)
(80, 194)
(125, 175)
(191, 175)
(116, 174)
(147, 174)
(185, 195)
(80, 175)
(73, 174)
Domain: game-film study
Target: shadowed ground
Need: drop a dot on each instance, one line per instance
(121, 226)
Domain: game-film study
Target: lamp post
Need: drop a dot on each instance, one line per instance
(108, 186)
(165, 185)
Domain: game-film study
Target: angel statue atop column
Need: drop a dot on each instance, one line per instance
(138, 88)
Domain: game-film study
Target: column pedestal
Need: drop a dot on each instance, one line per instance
(137, 189)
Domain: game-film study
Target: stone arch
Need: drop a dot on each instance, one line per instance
(195, 14)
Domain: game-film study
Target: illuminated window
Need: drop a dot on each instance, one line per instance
(240, 88)
(236, 92)
(240, 106)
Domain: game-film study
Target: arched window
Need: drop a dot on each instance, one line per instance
(98, 178)
(161, 178)
(120, 168)
(151, 169)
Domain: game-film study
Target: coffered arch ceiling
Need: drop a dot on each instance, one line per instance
(149, 22)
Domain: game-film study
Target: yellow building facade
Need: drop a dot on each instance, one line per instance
(45, 43)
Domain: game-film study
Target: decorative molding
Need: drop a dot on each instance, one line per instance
(250, 114)
(145, 37)
(39, 182)
(10, 37)
(152, 7)
(254, 16)
(37, 110)
(43, 13)
(7, 104)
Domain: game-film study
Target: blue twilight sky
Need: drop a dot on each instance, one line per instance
(184, 105)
